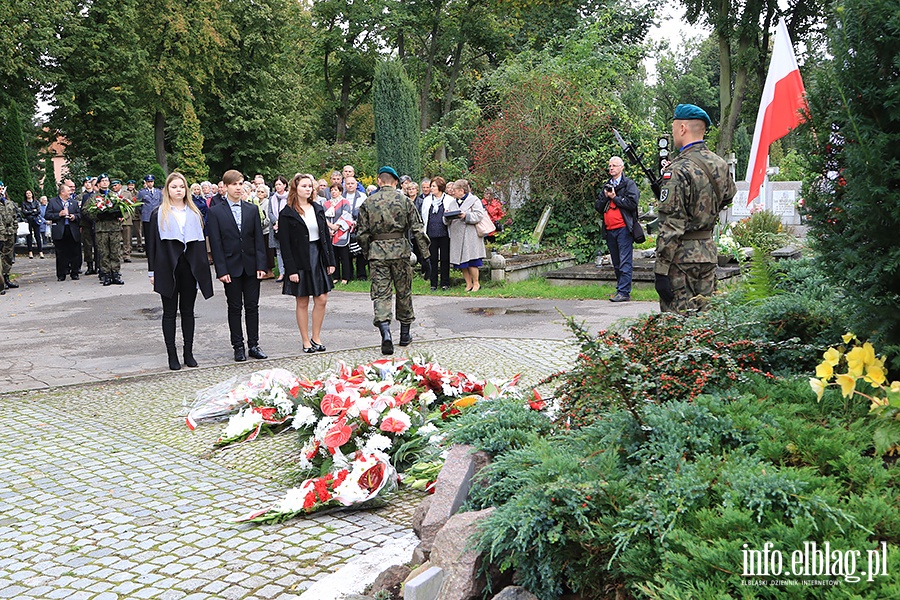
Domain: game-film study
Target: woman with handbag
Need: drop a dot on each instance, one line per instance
(340, 222)
(308, 258)
(466, 245)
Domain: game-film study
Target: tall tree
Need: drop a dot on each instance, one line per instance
(48, 188)
(742, 29)
(394, 101)
(852, 144)
(189, 159)
(14, 169)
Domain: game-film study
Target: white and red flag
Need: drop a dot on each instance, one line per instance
(779, 109)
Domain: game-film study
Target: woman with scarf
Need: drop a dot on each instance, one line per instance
(277, 201)
(177, 263)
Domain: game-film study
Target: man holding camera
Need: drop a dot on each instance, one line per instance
(618, 203)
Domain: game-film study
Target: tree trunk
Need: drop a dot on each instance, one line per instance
(343, 110)
(424, 108)
(159, 139)
(440, 154)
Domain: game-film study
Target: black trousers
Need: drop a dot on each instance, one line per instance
(182, 300)
(440, 261)
(68, 253)
(34, 231)
(344, 270)
(243, 294)
(361, 263)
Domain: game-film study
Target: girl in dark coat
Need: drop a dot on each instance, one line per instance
(178, 265)
(308, 257)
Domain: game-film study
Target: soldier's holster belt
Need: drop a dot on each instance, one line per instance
(387, 236)
(697, 235)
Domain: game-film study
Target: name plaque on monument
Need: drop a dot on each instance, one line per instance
(783, 202)
(739, 206)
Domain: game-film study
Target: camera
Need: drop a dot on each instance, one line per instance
(609, 188)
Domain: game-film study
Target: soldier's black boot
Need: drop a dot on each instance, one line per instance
(90, 269)
(405, 336)
(387, 344)
(105, 279)
(116, 278)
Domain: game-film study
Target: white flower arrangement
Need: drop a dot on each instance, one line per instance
(241, 423)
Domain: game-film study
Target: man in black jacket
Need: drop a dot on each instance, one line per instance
(239, 255)
(64, 212)
(618, 203)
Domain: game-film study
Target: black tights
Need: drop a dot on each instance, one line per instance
(181, 301)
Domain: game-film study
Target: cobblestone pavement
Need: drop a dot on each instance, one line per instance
(106, 494)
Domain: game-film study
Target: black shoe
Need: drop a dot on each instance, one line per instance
(239, 354)
(620, 298)
(90, 269)
(434, 288)
(12, 285)
(445, 287)
(63, 278)
(117, 279)
(405, 336)
(106, 281)
(310, 350)
(387, 344)
(75, 276)
(189, 360)
(126, 260)
(256, 352)
(317, 346)
(174, 365)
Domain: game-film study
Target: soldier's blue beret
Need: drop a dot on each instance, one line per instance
(2, 184)
(691, 111)
(129, 181)
(390, 171)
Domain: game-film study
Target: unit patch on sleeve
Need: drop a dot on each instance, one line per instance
(664, 194)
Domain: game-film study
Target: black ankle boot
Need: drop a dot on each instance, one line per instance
(105, 279)
(189, 357)
(90, 269)
(405, 337)
(116, 278)
(387, 344)
(173, 359)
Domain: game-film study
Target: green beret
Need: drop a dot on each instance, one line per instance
(691, 111)
(390, 171)
(114, 182)
(130, 181)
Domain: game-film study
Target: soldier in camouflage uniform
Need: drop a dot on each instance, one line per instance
(108, 233)
(9, 223)
(385, 220)
(697, 186)
(86, 227)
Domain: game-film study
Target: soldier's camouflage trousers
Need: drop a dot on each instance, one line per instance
(87, 243)
(108, 245)
(6, 257)
(694, 284)
(398, 272)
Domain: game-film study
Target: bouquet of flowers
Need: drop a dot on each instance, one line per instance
(364, 482)
(379, 406)
(110, 206)
(726, 244)
(267, 389)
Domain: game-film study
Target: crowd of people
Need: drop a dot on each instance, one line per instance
(306, 232)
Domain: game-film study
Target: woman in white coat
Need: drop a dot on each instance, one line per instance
(466, 246)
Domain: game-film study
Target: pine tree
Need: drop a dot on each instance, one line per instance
(853, 148)
(14, 169)
(189, 159)
(395, 104)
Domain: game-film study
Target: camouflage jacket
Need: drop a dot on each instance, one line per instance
(9, 219)
(389, 212)
(689, 203)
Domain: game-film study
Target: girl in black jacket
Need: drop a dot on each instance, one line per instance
(308, 257)
(178, 265)
(31, 210)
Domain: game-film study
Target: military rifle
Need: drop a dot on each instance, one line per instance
(654, 178)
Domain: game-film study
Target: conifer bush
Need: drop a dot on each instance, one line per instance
(396, 108)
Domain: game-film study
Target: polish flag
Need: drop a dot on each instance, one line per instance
(779, 108)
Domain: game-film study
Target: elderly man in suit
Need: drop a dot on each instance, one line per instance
(64, 212)
(239, 255)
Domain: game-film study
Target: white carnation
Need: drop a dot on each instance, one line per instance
(377, 442)
(427, 398)
(241, 423)
(304, 417)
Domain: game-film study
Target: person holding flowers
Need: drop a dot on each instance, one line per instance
(177, 263)
(305, 241)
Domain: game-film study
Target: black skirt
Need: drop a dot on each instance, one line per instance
(315, 283)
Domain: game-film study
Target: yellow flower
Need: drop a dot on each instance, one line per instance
(877, 403)
(818, 386)
(856, 361)
(466, 401)
(824, 371)
(847, 383)
(895, 386)
(875, 374)
(832, 357)
(847, 337)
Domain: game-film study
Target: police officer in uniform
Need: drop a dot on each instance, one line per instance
(697, 186)
(385, 220)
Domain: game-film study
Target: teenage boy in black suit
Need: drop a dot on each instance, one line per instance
(239, 255)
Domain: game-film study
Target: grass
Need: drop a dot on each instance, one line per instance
(536, 287)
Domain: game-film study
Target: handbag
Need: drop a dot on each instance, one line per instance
(485, 226)
(638, 233)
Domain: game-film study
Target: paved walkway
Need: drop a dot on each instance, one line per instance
(104, 493)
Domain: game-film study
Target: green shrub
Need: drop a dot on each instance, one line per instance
(663, 508)
(762, 230)
(499, 425)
